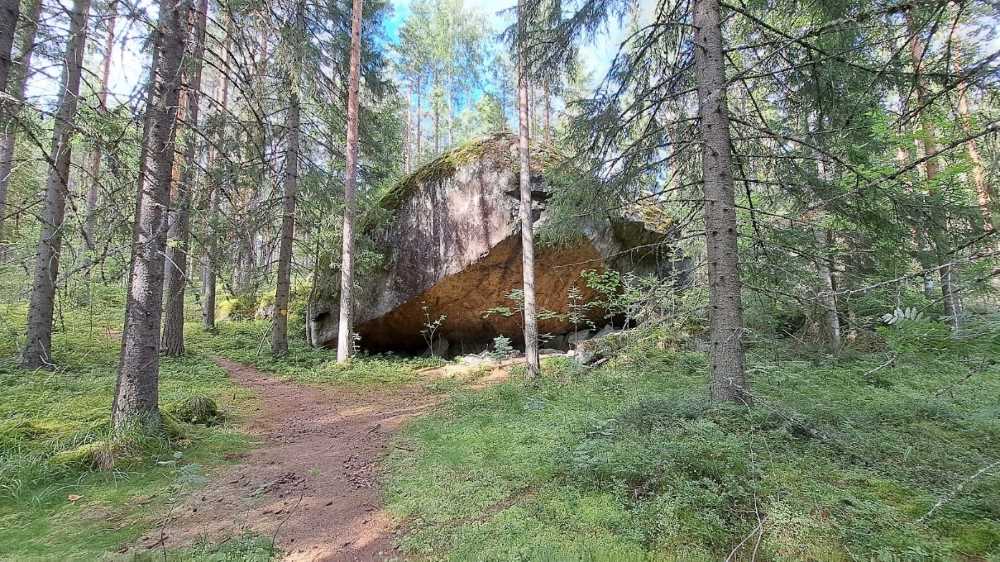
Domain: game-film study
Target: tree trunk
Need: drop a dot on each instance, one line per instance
(94, 169)
(18, 79)
(437, 126)
(9, 12)
(210, 254)
(729, 382)
(344, 337)
(547, 123)
(179, 230)
(419, 117)
(937, 227)
(407, 129)
(279, 327)
(985, 194)
(38, 348)
(137, 389)
(827, 295)
(526, 215)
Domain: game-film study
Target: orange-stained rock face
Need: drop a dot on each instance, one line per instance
(465, 297)
(454, 246)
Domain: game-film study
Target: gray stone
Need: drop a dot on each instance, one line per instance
(453, 246)
(577, 337)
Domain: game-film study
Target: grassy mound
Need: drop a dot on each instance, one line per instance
(632, 462)
(198, 409)
(70, 488)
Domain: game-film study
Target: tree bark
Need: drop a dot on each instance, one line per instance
(407, 129)
(547, 121)
(949, 294)
(137, 393)
(94, 169)
(344, 337)
(827, 295)
(729, 382)
(279, 327)
(419, 118)
(17, 79)
(527, 220)
(179, 229)
(210, 253)
(9, 13)
(37, 352)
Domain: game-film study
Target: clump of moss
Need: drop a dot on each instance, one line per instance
(445, 166)
(100, 454)
(198, 409)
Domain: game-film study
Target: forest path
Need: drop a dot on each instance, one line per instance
(312, 484)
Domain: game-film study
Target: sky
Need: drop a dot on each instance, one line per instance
(130, 57)
(596, 56)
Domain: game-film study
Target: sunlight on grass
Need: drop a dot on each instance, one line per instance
(632, 462)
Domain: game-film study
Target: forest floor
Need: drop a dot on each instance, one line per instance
(888, 453)
(311, 485)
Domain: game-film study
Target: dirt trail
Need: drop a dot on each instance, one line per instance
(313, 483)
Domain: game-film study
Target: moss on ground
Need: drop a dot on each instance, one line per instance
(248, 342)
(632, 462)
(70, 489)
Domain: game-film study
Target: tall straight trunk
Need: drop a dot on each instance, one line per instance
(210, 254)
(18, 78)
(9, 13)
(937, 227)
(527, 220)
(827, 294)
(985, 194)
(407, 130)
(729, 381)
(419, 117)
(37, 351)
(137, 389)
(547, 121)
(344, 339)
(437, 128)
(179, 229)
(279, 327)
(94, 168)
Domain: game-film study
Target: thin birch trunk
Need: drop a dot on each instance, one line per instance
(137, 390)
(37, 352)
(344, 337)
(527, 220)
(729, 382)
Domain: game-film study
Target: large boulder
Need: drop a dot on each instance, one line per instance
(453, 248)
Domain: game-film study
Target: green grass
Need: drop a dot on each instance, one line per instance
(51, 420)
(249, 342)
(632, 462)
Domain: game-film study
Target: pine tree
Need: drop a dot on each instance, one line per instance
(137, 389)
(37, 352)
